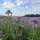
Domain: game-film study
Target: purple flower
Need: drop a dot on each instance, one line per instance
(1, 33)
(33, 22)
(18, 17)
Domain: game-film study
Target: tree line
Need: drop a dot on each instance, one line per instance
(32, 15)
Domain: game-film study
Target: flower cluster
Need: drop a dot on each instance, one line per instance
(29, 21)
(1, 33)
(33, 22)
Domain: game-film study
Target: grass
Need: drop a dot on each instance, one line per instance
(14, 32)
(21, 34)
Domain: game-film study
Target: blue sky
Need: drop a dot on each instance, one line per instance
(20, 7)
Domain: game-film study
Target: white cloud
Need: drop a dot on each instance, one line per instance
(8, 5)
(27, 2)
(34, 5)
(9, 0)
(23, 2)
(35, 1)
(35, 9)
(19, 3)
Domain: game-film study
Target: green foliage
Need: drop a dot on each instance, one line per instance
(27, 33)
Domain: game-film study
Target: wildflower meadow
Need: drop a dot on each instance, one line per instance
(19, 28)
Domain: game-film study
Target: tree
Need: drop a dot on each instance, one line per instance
(9, 12)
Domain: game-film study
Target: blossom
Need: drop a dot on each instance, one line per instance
(33, 22)
(1, 33)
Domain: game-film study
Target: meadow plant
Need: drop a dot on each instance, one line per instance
(17, 32)
(33, 22)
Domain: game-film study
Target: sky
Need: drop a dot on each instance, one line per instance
(20, 7)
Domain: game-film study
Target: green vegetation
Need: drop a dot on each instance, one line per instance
(15, 33)
(10, 31)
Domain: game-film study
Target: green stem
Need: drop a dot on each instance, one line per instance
(33, 34)
(9, 29)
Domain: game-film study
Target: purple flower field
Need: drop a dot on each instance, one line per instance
(26, 27)
(28, 21)
(23, 21)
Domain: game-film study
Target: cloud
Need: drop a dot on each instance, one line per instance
(7, 0)
(27, 2)
(19, 3)
(35, 2)
(34, 5)
(8, 4)
(35, 9)
(23, 2)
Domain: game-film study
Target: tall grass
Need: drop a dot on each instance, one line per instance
(16, 32)
(27, 33)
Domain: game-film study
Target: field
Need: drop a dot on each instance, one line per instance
(19, 28)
